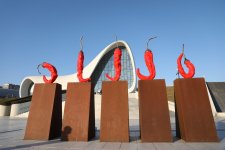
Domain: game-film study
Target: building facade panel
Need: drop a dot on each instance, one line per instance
(96, 69)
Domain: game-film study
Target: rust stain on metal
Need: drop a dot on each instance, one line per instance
(45, 115)
(79, 112)
(153, 111)
(114, 126)
(194, 119)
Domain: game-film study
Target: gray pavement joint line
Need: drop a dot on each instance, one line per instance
(2, 132)
(189, 145)
(103, 145)
(51, 147)
(154, 146)
(89, 143)
(120, 145)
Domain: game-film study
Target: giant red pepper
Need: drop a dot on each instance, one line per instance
(150, 65)
(52, 70)
(190, 66)
(80, 66)
(117, 65)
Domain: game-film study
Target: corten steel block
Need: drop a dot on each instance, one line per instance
(153, 111)
(114, 126)
(45, 115)
(79, 112)
(194, 117)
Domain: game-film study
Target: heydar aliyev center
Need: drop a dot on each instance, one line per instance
(96, 69)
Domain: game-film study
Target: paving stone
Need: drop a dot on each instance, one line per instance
(58, 144)
(146, 146)
(181, 146)
(112, 146)
(79, 145)
(129, 146)
(163, 146)
(12, 133)
(95, 145)
(205, 146)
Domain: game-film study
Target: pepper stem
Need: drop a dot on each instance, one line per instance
(183, 52)
(38, 68)
(81, 42)
(149, 41)
(116, 41)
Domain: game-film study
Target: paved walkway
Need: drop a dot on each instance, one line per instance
(12, 132)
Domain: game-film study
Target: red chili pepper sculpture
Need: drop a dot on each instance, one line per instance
(117, 65)
(190, 66)
(150, 64)
(53, 71)
(80, 67)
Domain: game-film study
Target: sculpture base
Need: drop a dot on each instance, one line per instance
(45, 115)
(114, 126)
(194, 119)
(79, 113)
(153, 111)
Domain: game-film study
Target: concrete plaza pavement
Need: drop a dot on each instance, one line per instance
(12, 131)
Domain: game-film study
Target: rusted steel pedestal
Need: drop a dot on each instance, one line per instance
(153, 111)
(194, 120)
(45, 115)
(114, 125)
(79, 113)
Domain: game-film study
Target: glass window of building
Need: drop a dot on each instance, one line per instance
(106, 65)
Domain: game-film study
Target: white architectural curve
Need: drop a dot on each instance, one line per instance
(27, 84)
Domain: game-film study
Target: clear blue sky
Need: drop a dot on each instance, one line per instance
(33, 31)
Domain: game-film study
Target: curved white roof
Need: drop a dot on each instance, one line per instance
(27, 83)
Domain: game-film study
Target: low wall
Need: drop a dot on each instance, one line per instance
(21, 110)
(17, 109)
(5, 110)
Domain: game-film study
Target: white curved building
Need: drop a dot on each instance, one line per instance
(96, 69)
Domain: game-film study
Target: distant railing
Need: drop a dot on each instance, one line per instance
(23, 108)
(21, 105)
(10, 101)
